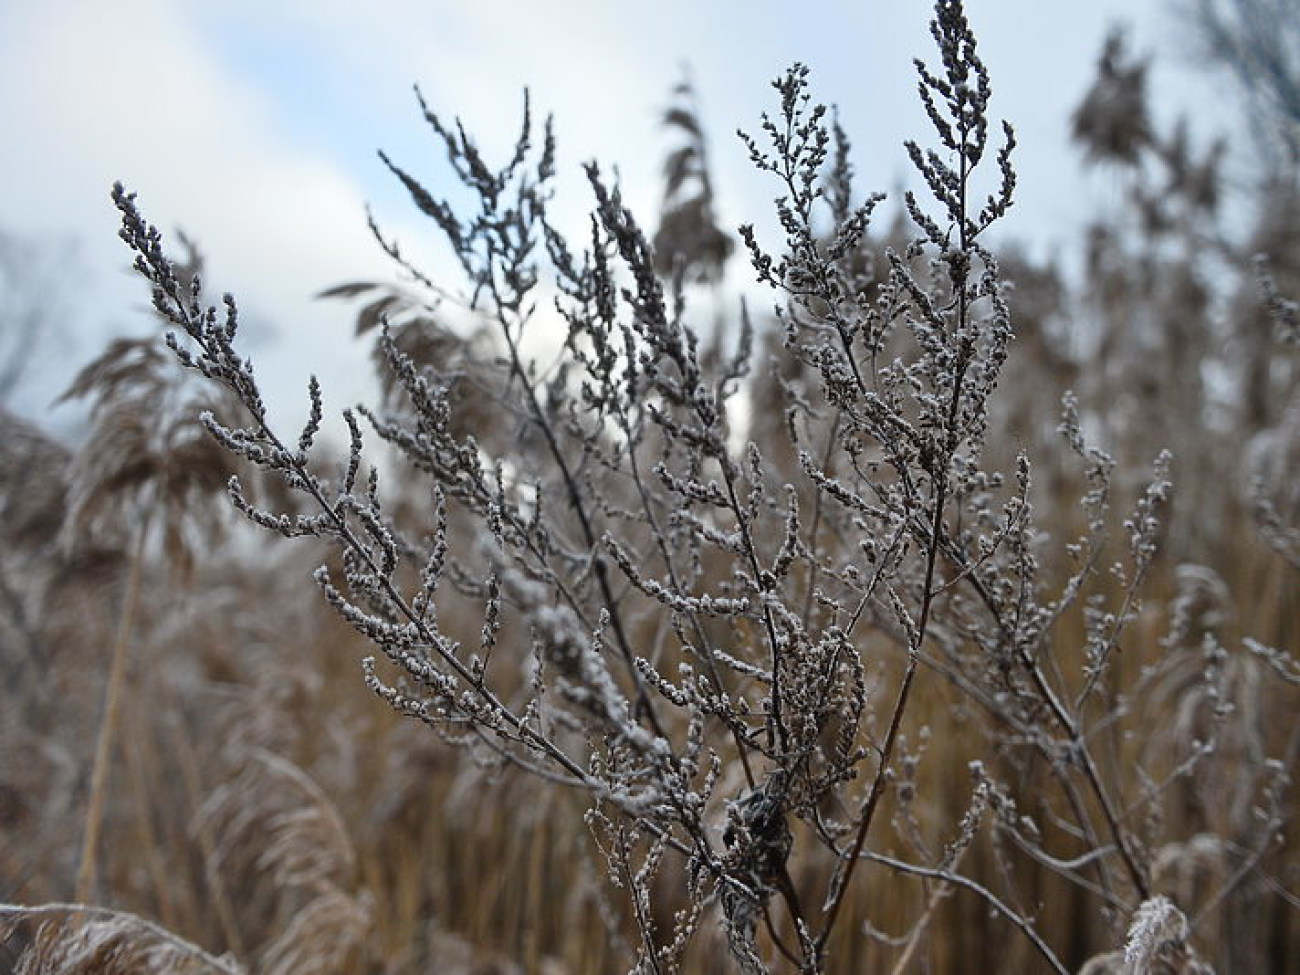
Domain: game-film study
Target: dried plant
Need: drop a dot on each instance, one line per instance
(689, 241)
(144, 464)
(654, 424)
(834, 691)
(1156, 945)
(80, 939)
(277, 837)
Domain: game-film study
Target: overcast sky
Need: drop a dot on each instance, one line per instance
(254, 126)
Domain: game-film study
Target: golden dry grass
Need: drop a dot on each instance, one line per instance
(261, 803)
(259, 810)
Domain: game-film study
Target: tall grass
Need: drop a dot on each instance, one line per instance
(847, 699)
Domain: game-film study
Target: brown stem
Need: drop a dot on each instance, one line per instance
(108, 724)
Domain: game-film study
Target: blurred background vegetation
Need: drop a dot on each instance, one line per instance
(257, 800)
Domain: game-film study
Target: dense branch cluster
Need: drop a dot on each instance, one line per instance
(712, 578)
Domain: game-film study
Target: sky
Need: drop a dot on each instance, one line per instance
(254, 128)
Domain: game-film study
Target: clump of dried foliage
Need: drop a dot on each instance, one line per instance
(771, 652)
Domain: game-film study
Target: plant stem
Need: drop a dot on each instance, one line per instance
(108, 724)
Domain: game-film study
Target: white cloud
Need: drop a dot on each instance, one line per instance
(130, 92)
(252, 125)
